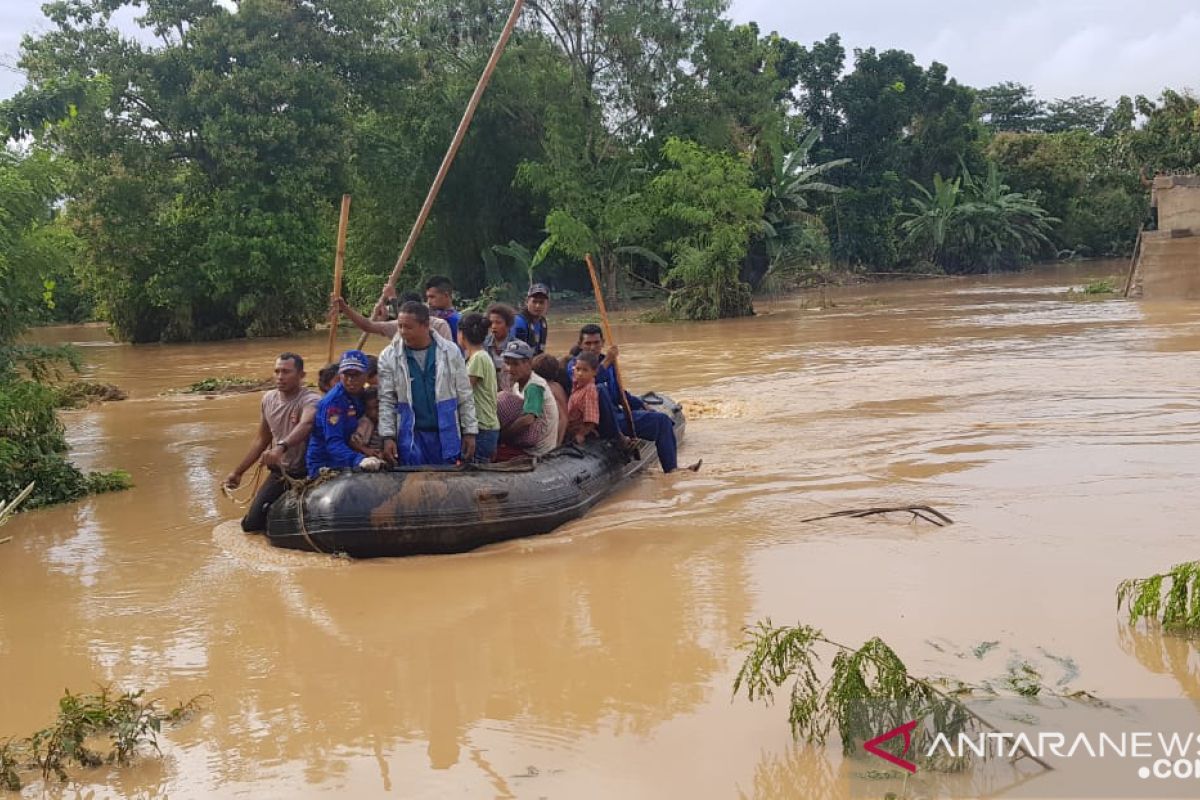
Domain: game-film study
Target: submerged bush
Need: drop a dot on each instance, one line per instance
(128, 720)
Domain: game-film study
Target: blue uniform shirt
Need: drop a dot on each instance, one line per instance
(532, 333)
(329, 443)
(452, 317)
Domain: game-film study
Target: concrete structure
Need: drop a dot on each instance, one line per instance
(1166, 264)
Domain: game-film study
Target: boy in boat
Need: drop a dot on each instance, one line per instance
(286, 418)
(583, 407)
(427, 408)
(472, 334)
(548, 367)
(500, 318)
(530, 326)
(366, 439)
(327, 377)
(337, 419)
(527, 405)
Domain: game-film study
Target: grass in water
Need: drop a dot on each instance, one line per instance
(1096, 290)
(127, 720)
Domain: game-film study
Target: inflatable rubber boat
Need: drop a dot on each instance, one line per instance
(453, 509)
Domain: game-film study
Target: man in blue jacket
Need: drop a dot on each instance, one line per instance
(337, 417)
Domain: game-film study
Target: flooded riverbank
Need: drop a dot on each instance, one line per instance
(1062, 436)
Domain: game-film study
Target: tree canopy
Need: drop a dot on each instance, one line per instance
(198, 165)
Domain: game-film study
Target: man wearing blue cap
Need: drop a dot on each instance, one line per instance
(337, 418)
(426, 404)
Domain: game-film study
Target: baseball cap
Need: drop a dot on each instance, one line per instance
(353, 360)
(517, 350)
(538, 288)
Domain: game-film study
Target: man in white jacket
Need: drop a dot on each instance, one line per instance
(426, 407)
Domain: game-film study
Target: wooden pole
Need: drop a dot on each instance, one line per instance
(448, 159)
(620, 389)
(1137, 247)
(339, 263)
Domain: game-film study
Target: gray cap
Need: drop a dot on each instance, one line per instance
(538, 288)
(517, 350)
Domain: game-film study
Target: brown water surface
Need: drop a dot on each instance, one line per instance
(1062, 436)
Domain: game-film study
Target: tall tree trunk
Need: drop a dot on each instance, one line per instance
(608, 276)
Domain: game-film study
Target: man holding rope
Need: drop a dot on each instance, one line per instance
(286, 419)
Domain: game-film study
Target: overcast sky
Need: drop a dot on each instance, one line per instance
(1060, 47)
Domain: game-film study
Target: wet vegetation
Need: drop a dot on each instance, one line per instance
(868, 690)
(229, 385)
(197, 171)
(81, 394)
(32, 443)
(105, 727)
(1171, 599)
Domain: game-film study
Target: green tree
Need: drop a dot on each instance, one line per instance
(1010, 106)
(1087, 181)
(789, 217)
(706, 203)
(1075, 114)
(1169, 140)
(207, 163)
(32, 445)
(975, 224)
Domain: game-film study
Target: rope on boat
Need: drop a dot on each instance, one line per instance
(300, 486)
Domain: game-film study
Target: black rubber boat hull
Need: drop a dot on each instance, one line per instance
(453, 510)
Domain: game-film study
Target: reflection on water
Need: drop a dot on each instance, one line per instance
(1063, 437)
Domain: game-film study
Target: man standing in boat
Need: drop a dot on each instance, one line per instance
(426, 406)
(287, 417)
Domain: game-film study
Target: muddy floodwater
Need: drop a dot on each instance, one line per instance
(1063, 437)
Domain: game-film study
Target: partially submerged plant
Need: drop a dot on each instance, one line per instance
(869, 691)
(1171, 598)
(127, 719)
(229, 384)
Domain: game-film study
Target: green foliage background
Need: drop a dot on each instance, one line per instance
(199, 165)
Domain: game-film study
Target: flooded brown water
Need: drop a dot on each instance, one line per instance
(1063, 437)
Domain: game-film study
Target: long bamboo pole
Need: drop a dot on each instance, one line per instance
(339, 264)
(608, 336)
(448, 159)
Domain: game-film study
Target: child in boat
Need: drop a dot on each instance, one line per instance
(549, 368)
(472, 332)
(583, 407)
(327, 377)
(366, 438)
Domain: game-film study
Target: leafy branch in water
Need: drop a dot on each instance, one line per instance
(1172, 598)
(869, 691)
(128, 720)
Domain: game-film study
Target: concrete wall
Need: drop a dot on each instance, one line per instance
(1168, 267)
(1178, 202)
